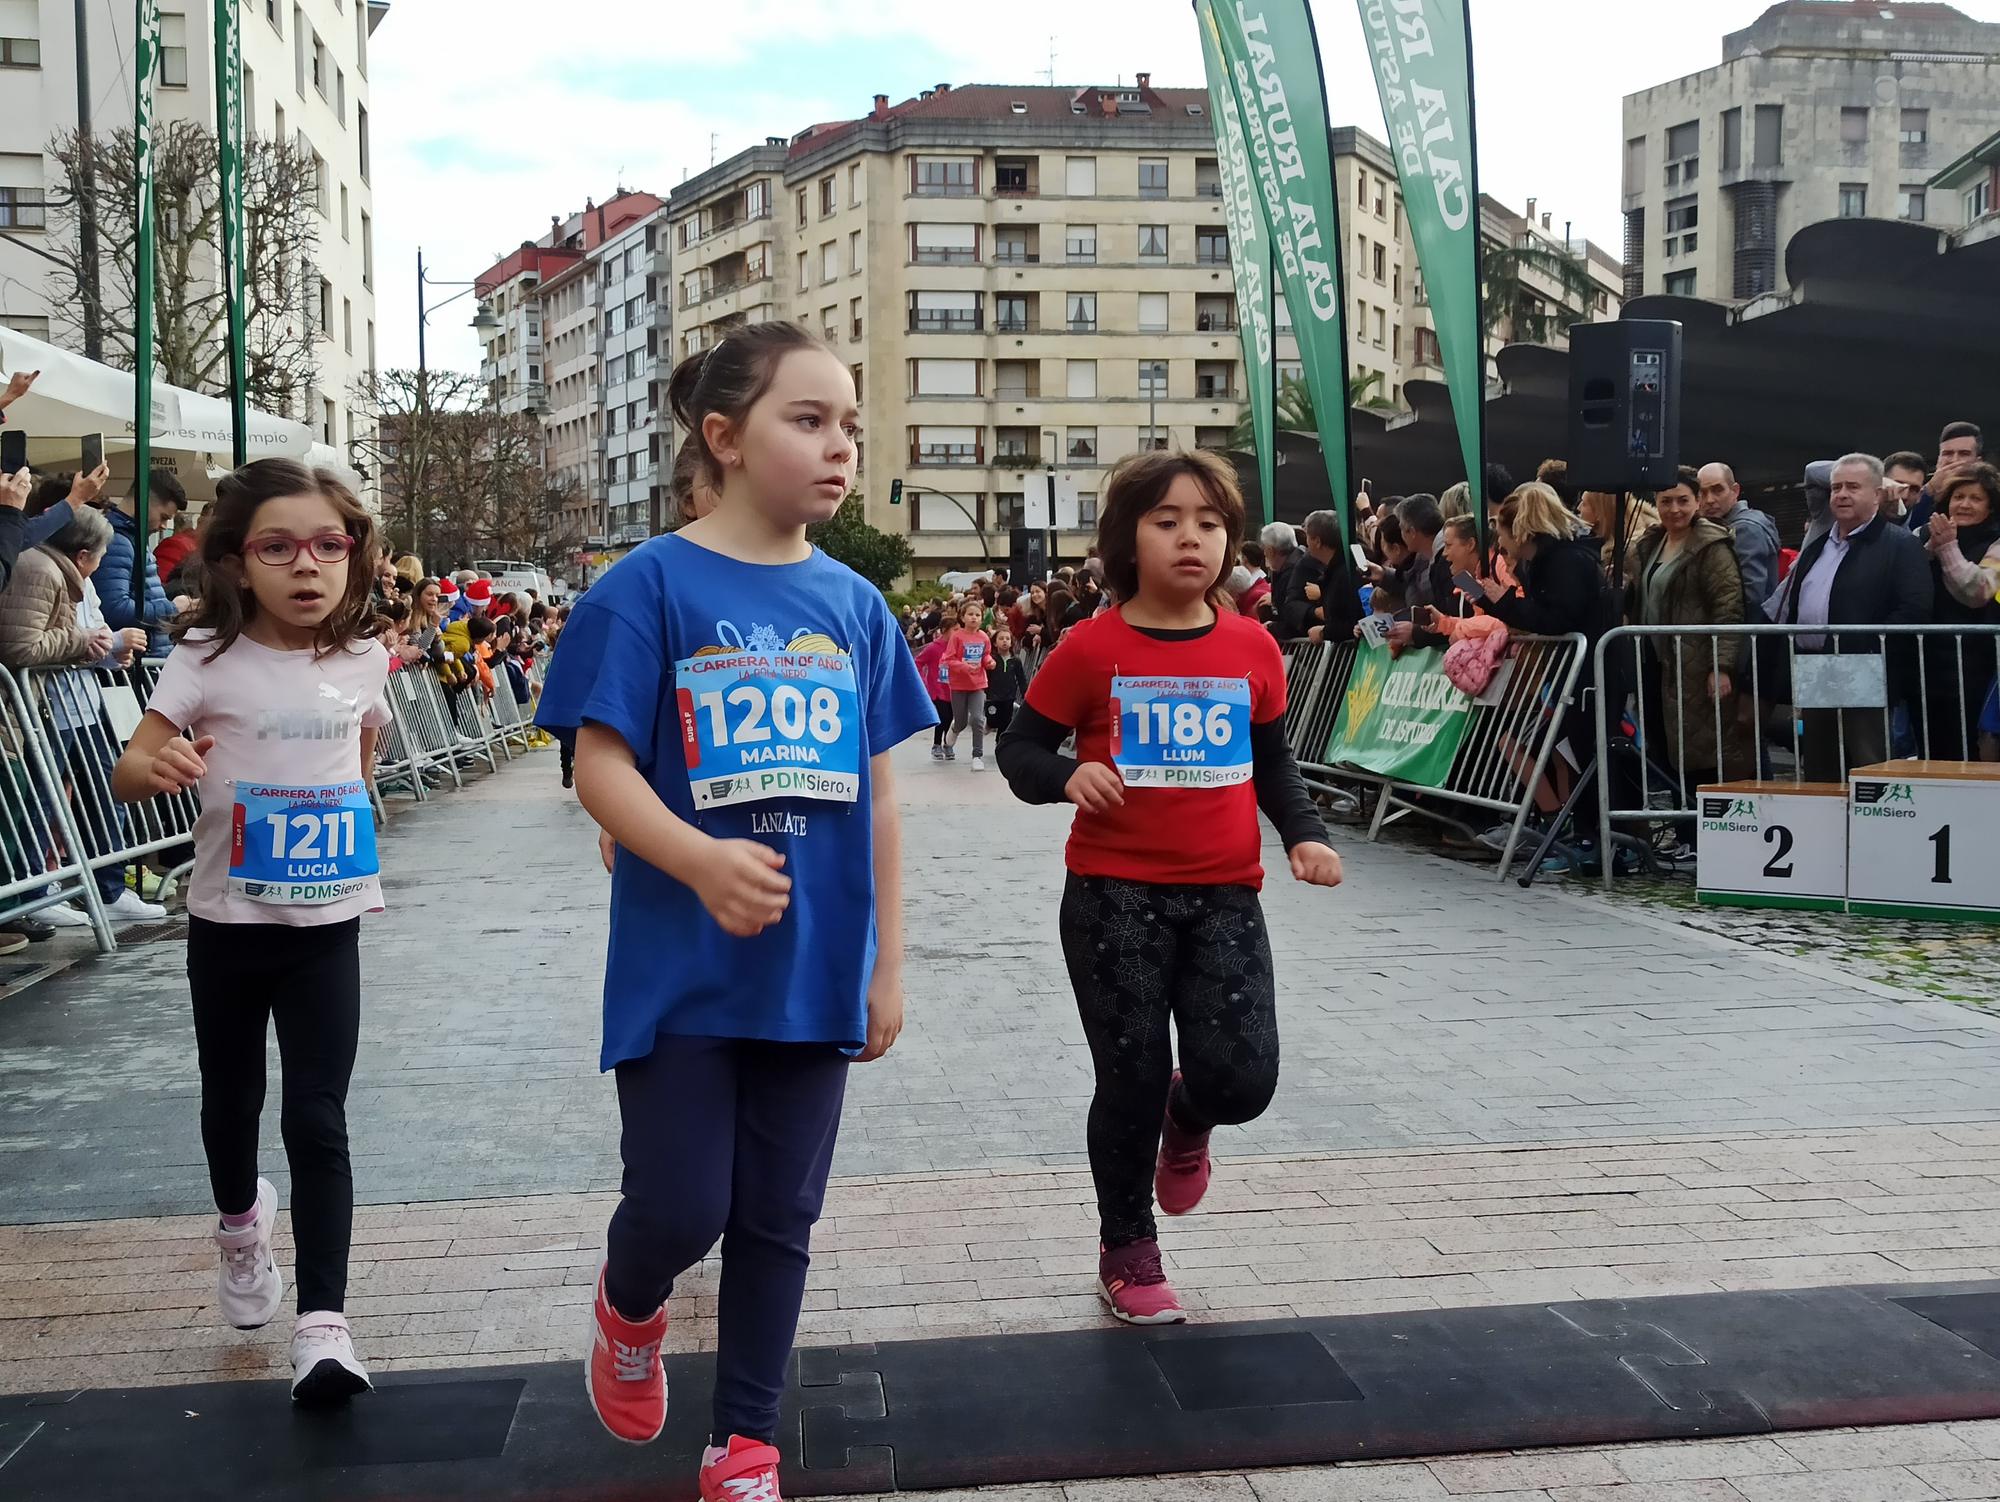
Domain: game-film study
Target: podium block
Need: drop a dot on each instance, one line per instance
(1772, 844)
(1921, 840)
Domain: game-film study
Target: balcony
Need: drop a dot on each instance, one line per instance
(1208, 190)
(1031, 392)
(1015, 255)
(1017, 458)
(947, 455)
(660, 315)
(721, 289)
(946, 321)
(1209, 389)
(1216, 323)
(1212, 255)
(944, 255)
(1082, 325)
(943, 190)
(1008, 324)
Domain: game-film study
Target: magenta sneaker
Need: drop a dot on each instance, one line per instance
(1181, 1177)
(1131, 1281)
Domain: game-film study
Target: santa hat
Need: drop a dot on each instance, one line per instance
(446, 588)
(480, 591)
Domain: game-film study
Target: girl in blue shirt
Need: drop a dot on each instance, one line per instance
(735, 694)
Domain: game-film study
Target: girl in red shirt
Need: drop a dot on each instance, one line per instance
(1178, 707)
(968, 653)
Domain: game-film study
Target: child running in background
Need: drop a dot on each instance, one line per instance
(1006, 684)
(968, 651)
(736, 694)
(1178, 705)
(284, 696)
(931, 668)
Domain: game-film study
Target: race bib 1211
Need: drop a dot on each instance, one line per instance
(1181, 732)
(757, 725)
(302, 846)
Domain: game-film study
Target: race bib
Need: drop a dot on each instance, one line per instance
(975, 653)
(759, 725)
(302, 846)
(1181, 732)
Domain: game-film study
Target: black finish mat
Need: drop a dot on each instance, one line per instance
(918, 1415)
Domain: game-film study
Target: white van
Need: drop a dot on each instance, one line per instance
(512, 577)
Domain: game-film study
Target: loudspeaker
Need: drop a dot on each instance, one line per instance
(1028, 557)
(1624, 404)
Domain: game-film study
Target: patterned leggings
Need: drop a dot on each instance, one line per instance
(1138, 954)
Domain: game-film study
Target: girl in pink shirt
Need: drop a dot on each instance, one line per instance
(271, 703)
(968, 652)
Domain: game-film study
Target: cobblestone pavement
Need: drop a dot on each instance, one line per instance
(1489, 1096)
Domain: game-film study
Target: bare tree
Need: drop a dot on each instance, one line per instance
(281, 194)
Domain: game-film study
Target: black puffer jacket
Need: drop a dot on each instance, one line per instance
(1562, 590)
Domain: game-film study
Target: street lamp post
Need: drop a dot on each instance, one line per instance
(486, 324)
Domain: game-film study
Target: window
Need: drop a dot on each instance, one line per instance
(1978, 200)
(1381, 201)
(343, 213)
(32, 324)
(801, 205)
(1381, 329)
(1854, 200)
(756, 204)
(533, 374)
(944, 377)
(853, 251)
(1152, 177)
(1427, 347)
(347, 324)
(1152, 378)
(1732, 140)
(1682, 214)
(340, 96)
(829, 323)
(1082, 312)
(330, 421)
(172, 71)
(690, 296)
(944, 176)
(317, 55)
(854, 318)
(1361, 189)
(1081, 378)
(944, 312)
(1635, 165)
(1010, 509)
(1080, 244)
(829, 196)
(1683, 153)
(853, 183)
(361, 136)
(1013, 247)
(1916, 127)
(1912, 203)
(249, 101)
(1381, 262)
(326, 307)
(1679, 284)
(301, 39)
(1086, 508)
(1152, 242)
(1013, 176)
(1010, 313)
(1080, 176)
(829, 260)
(22, 204)
(320, 196)
(1854, 125)
(1769, 147)
(1396, 342)
(1152, 312)
(1081, 443)
(856, 371)
(367, 250)
(1292, 370)
(1211, 247)
(275, 16)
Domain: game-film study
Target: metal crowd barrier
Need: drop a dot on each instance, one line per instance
(1500, 764)
(1855, 695)
(62, 730)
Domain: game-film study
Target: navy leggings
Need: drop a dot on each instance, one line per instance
(733, 1139)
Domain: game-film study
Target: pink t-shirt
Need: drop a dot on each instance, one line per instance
(278, 718)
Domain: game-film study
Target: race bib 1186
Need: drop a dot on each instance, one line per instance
(1181, 732)
(758, 725)
(302, 846)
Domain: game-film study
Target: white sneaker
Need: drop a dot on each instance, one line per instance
(130, 907)
(248, 1284)
(978, 763)
(63, 915)
(324, 1367)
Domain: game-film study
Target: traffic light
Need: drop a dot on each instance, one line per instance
(895, 492)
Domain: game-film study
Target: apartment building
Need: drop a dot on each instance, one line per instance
(305, 79)
(1820, 109)
(635, 323)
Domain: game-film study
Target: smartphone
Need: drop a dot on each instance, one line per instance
(1360, 555)
(93, 452)
(13, 450)
(1468, 584)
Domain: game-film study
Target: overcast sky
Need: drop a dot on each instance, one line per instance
(487, 118)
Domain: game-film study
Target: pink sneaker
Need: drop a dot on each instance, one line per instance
(1181, 1177)
(745, 1472)
(1131, 1280)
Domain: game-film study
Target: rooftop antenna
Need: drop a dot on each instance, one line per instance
(713, 138)
(1052, 62)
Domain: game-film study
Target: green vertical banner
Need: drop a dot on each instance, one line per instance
(229, 133)
(145, 63)
(1250, 263)
(1272, 60)
(1421, 51)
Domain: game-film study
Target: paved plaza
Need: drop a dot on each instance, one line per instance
(1489, 1096)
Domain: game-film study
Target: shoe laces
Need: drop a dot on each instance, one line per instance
(245, 1264)
(318, 1337)
(762, 1487)
(634, 1363)
(1139, 1264)
(1185, 1157)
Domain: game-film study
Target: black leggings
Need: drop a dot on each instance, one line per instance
(308, 980)
(1139, 954)
(943, 708)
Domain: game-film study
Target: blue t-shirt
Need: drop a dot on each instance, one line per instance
(753, 696)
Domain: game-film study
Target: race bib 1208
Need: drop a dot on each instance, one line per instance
(302, 846)
(1181, 732)
(758, 725)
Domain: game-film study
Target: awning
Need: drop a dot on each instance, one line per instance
(74, 396)
(205, 426)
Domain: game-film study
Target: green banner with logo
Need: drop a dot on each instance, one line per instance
(1421, 51)
(1250, 262)
(145, 64)
(1272, 61)
(1400, 717)
(229, 164)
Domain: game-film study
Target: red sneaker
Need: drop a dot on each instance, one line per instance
(1181, 1177)
(623, 1375)
(1131, 1280)
(745, 1472)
